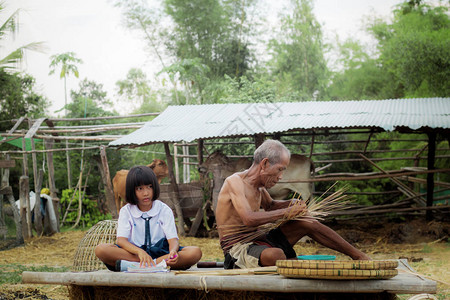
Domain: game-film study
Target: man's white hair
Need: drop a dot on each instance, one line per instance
(272, 149)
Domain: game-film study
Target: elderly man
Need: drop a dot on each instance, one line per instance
(239, 202)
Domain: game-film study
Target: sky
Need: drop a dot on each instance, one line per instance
(94, 30)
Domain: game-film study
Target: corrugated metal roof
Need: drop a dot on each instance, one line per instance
(191, 122)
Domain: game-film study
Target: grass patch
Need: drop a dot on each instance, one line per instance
(427, 249)
(12, 273)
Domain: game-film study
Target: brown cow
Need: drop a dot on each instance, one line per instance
(119, 181)
(300, 167)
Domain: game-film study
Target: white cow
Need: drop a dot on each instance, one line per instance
(299, 168)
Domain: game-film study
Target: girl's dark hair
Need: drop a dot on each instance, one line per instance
(137, 176)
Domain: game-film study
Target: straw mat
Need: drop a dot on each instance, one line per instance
(345, 274)
(342, 265)
(102, 232)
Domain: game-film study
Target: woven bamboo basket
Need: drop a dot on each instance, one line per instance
(85, 259)
(342, 264)
(337, 274)
(346, 270)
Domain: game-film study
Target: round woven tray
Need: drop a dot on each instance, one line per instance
(340, 265)
(102, 232)
(344, 274)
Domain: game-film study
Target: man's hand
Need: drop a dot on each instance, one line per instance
(297, 208)
(145, 259)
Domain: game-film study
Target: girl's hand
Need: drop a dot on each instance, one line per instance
(173, 258)
(145, 259)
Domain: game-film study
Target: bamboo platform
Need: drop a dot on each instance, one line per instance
(404, 283)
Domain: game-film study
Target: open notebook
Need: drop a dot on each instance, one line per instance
(161, 267)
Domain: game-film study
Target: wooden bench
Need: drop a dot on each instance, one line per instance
(404, 283)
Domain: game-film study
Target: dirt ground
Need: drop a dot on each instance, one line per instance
(425, 245)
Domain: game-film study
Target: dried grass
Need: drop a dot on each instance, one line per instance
(55, 251)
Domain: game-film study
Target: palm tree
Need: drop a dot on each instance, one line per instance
(11, 26)
(67, 61)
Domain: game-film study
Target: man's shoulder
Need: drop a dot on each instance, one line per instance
(235, 177)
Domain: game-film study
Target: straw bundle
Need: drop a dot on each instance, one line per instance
(315, 209)
(102, 232)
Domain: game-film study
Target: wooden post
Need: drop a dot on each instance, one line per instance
(200, 151)
(69, 171)
(37, 205)
(259, 139)
(25, 158)
(50, 167)
(51, 179)
(80, 180)
(34, 160)
(37, 184)
(3, 229)
(368, 141)
(186, 166)
(430, 176)
(12, 202)
(176, 195)
(25, 195)
(200, 156)
(109, 194)
(197, 221)
(175, 160)
(25, 214)
(311, 151)
(277, 136)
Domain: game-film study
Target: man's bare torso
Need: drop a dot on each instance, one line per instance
(226, 213)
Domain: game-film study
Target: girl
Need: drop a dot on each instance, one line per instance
(146, 231)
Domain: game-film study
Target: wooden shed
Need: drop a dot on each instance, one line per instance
(199, 124)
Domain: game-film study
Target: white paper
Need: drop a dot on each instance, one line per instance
(161, 267)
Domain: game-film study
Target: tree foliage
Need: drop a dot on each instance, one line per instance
(197, 42)
(89, 101)
(415, 48)
(211, 31)
(18, 97)
(413, 57)
(298, 61)
(68, 62)
(11, 26)
(136, 90)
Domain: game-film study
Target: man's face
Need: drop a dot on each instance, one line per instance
(271, 174)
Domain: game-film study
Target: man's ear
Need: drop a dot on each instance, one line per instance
(264, 163)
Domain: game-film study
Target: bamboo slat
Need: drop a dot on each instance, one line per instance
(250, 271)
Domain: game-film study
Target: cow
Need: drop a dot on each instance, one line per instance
(119, 181)
(225, 165)
(300, 168)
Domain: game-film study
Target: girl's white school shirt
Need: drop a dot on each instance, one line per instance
(131, 225)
